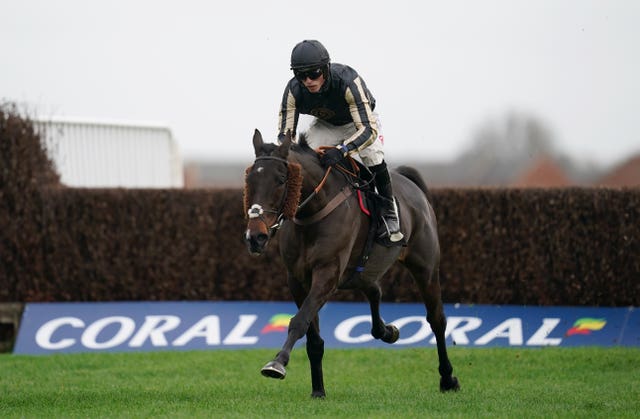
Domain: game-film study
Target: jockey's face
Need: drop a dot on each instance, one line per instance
(313, 86)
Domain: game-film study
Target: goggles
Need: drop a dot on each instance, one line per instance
(311, 74)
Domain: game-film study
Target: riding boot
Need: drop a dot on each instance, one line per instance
(389, 210)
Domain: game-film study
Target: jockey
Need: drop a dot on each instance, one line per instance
(343, 108)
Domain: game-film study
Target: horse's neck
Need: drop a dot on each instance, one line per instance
(312, 176)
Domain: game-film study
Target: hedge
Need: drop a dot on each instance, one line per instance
(565, 246)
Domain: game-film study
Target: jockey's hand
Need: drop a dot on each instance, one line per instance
(332, 156)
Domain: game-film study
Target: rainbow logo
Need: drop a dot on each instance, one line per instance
(586, 325)
(277, 323)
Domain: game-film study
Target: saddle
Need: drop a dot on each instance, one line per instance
(370, 202)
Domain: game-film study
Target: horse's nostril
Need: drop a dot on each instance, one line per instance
(256, 240)
(262, 238)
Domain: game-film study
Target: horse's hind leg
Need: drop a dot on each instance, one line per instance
(379, 330)
(429, 285)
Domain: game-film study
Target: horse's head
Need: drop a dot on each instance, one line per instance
(272, 191)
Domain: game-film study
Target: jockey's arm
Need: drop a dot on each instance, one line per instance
(288, 117)
(363, 118)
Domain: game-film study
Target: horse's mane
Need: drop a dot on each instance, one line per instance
(302, 146)
(303, 153)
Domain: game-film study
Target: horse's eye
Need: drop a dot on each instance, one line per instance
(282, 181)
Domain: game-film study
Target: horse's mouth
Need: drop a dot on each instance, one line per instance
(256, 243)
(256, 252)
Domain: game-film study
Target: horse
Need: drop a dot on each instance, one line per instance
(321, 242)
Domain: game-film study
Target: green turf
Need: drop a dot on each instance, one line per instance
(548, 382)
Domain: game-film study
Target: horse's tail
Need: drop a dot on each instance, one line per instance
(414, 176)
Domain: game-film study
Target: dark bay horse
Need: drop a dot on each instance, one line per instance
(322, 240)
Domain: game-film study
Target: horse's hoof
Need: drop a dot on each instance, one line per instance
(274, 369)
(392, 335)
(450, 384)
(318, 394)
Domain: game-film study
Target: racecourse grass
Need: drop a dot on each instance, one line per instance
(547, 382)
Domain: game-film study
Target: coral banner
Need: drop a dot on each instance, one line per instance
(48, 328)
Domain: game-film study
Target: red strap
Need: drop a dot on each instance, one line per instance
(361, 202)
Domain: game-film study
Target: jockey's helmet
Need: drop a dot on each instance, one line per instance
(309, 54)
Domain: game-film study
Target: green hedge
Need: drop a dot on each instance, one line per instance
(25, 171)
(573, 246)
(541, 246)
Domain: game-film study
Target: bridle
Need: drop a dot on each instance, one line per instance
(257, 211)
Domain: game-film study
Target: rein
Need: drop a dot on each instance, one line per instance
(316, 190)
(342, 196)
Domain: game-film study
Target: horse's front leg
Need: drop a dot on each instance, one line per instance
(322, 286)
(315, 353)
(315, 343)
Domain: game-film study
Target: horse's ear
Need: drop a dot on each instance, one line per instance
(257, 142)
(283, 150)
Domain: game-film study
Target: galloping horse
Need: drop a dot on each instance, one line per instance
(321, 244)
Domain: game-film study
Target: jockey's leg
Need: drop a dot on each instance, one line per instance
(373, 158)
(390, 219)
(321, 133)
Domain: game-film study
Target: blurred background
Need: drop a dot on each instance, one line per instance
(489, 93)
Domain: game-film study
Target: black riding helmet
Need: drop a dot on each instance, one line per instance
(309, 54)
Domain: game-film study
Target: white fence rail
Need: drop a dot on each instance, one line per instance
(91, 153)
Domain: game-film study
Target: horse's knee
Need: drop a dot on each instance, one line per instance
(298, 326)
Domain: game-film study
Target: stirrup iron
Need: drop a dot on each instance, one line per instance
(395, 236)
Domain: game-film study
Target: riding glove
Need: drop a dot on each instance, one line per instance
(332, 156)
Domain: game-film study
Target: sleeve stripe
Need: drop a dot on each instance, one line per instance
(288, 114)
(367, 130)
